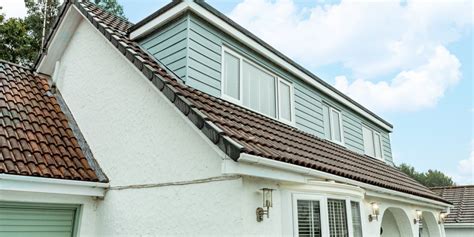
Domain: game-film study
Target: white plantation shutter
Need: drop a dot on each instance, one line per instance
(309, 218)
(356, 221)
(337, 218)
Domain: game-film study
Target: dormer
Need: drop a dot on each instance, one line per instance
(210, 52)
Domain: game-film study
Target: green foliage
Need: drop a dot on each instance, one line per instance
(111, 6)
(432, 178)
(20, 39)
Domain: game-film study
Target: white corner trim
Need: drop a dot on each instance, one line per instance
(20, 183)
(224, 26)
(294, 173)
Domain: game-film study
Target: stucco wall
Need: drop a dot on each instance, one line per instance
(138, 137)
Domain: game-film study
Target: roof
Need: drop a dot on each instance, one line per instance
(235, 129)
(36, 138)
(262, 43)
(462, 198)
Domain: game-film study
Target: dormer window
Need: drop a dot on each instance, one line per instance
(372, 142)
(333, 124)
(248, 84)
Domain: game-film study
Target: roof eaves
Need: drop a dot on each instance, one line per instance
(154, 15)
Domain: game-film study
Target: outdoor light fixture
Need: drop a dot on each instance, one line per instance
(375, 211)
(419, 215)
(442, 217)
(267, 203)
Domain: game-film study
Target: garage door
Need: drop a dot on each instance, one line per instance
(37, 220)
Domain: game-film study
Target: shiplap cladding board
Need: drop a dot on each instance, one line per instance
(197, 61)
(169, 46)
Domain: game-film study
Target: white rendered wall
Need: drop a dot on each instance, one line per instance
(87, 222)
(138, 137)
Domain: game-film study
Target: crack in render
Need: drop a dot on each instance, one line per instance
(177, 183)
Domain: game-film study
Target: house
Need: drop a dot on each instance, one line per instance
(187, 124)
(460, 221)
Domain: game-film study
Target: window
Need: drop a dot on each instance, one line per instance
(356, 221)
(285, 98)
(337, 218)
(309, 218)
(247, 84)
(332, 124)
(372, 142)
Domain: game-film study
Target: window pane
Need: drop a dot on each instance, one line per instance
(378, 149)
(309, 218)
(368, 141)
(336, 136)
(285, 101)
(327, 123)
(337, 218)
(258, 90)
(231, 76)
(356, 221)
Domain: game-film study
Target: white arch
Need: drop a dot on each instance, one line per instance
(396, 223)
(430, 225)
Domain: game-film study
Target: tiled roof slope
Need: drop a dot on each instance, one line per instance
(236, 130)
(462, 198)
(35, 137)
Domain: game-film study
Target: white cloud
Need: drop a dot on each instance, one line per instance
(13, 8)
(371, 39)
(465, 174)
(410, 90)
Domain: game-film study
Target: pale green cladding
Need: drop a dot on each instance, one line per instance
(192, 48)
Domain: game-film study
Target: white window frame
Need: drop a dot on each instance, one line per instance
(373, 142)
(331, 125)
(323, 205)
(292, 109)
(278, 79)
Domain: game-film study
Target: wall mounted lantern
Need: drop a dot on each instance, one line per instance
(442, 217)
(419, 216)
(375, 211)
(267, 203)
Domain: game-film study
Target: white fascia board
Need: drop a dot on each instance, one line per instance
(159, 21)
(60, 40)
(293, 173)
(224, 26)
(48, 185)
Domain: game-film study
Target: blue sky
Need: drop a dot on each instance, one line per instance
(410, 62)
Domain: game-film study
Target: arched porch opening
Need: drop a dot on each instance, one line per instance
(429, 225)
(395, 223)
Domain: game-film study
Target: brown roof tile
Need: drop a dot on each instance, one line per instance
(34, 133)
(462, 198)
(242, 131)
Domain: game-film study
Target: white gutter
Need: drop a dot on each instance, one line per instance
(373, 190)
(229, 29)
(21, 183)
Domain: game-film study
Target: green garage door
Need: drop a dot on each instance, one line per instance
(37, 220)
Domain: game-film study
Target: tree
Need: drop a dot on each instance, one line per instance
(21, 39)
(15, 42)
(111, 6)
(431, 178)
